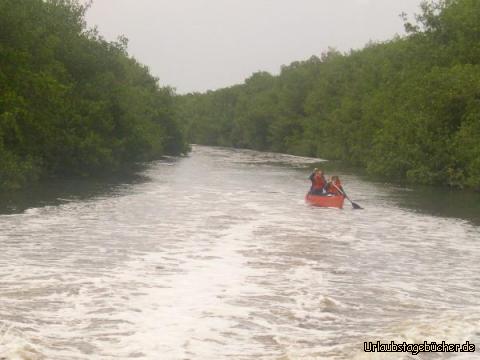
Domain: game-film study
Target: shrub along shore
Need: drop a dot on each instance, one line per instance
(71, 103)
(406, 110)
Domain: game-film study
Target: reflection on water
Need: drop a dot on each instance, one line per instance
(434, 200)
(440, 202)
(216, 256)
(60, 191)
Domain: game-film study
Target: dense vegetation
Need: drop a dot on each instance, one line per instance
(407, 109)
(71, 103)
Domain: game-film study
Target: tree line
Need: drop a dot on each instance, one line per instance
(407, 109)
(72, 103)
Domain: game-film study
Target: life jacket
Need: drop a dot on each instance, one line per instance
(318, 182)
(332, 187)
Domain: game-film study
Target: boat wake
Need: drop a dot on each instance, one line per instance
(218, 257)
(14, 345)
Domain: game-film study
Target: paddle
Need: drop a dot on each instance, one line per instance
(354, 205)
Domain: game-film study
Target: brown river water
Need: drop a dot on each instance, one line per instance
(217, 256)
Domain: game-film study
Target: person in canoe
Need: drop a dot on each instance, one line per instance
(318, 182)
(329, 194)
(334, 186)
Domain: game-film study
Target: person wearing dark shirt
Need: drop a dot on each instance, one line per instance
(318, 182)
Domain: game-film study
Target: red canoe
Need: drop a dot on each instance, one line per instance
(331, 201)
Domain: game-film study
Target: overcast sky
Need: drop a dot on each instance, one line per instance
(196, 45)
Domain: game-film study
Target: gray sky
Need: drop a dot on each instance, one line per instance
(196, 45)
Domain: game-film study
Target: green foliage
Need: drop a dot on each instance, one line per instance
(72, 103)
(407, 109)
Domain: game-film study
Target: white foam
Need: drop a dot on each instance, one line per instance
(217, 259)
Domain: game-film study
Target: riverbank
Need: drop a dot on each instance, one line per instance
(74, 104)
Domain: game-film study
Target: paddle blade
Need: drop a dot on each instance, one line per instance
(356, 206)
